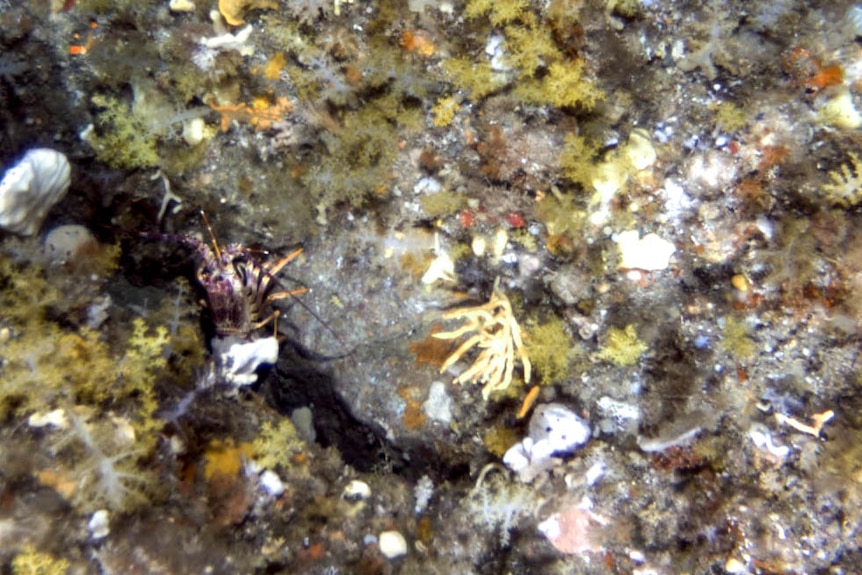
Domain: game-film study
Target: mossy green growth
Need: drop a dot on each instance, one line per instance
(358, 167)
(121, 138)
(498, 12)
(443, 203)
(565, 85)
(29, 561)
(735, 339)
(277, 445)
(540, 72)
(47, 366)
(578, 160)
(477, 78)
(729, 117)
(623, 347)
(550, 349)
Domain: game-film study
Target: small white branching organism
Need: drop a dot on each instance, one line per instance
(500, 504)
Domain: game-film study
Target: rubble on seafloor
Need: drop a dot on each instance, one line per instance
(578, 287)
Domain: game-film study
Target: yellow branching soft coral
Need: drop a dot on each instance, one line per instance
(845, 187)
(497, 334)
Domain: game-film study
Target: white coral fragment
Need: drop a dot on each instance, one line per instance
(31, 188)
(238, 361)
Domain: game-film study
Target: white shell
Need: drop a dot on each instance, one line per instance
(557, 429)
(31, 188)
(392, 544)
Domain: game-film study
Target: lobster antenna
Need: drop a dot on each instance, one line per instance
(212, 235)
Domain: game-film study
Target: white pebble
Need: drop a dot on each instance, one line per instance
(650, 253)
(63, 242)
(30, 188)
(271, 483)
(356, 490)
(392, 544)
(99, 526)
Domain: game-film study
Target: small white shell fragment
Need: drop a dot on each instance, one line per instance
(762, 438)
(356, 490)
(30, 188)
(479, 245)
(56, 418)
(392, 544)
(609, 178)
(650, 253)
(561, 430)
(99, 524)
(238, 361)
(640, 151)
(438, 406)
(63, 242)
(271, 483)
(501, 239)
(194, 131)
(181, 6)
(442, 268)
(517, 457)
(228, 41)
(840, 112)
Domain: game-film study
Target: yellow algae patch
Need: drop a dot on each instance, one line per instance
(233, 11)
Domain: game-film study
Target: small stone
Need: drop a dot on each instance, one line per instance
(640, 151)
(99, 524)
(438, 406)
(56, 418)
(271, 483)
(392, 544)
(649, 253)
(356, 490)
(181, 6)
(63, 242)
(30, 188)
(194, 131)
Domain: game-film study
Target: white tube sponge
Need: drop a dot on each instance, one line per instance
(30, 188)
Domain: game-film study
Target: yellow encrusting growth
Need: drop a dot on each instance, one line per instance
(445, 110)
(550, 349)
(498, 335)
(277, 445)
(623, 347)
(31, 562)
(845, 187)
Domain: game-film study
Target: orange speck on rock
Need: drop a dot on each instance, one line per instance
(414, 416)
(274, 66)
(528, 402)
(418, 42)
(828, 76)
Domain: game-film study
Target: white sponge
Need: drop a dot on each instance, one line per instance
(30, 188)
